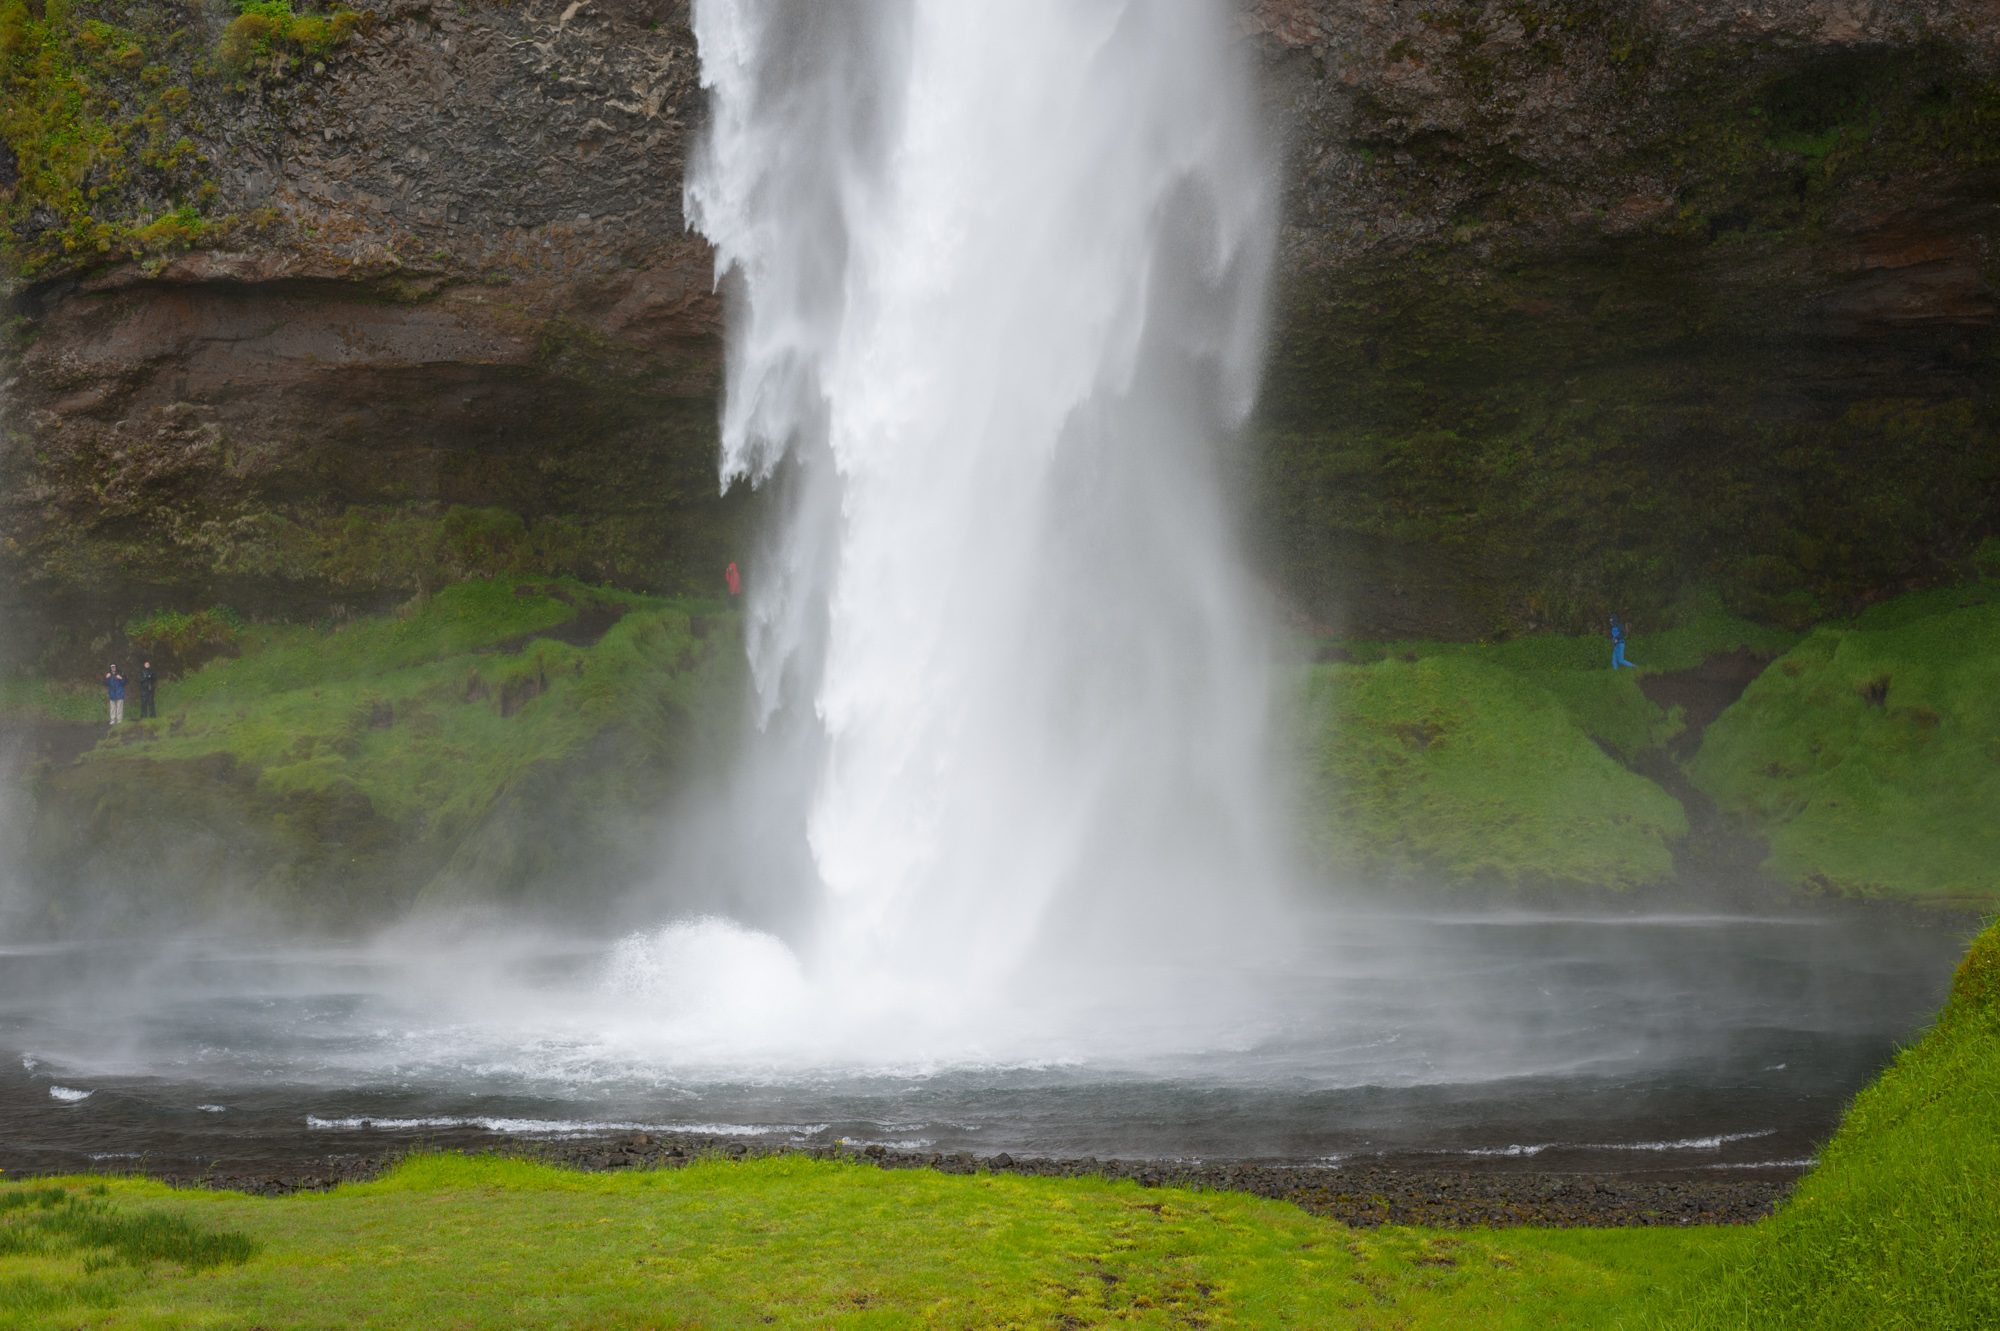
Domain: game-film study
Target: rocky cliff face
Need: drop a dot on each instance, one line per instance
(1581, 303)
(1585, 302)
(444, 318)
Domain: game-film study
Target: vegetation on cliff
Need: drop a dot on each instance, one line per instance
(103, 114)
(96, 119)
(1869, 755)
(1457, 770)
(502, 733)
(265, 35)
(1463, 763)
(338, 772)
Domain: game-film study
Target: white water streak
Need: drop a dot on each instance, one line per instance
(997, 277)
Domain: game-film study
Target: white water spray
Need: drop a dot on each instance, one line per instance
(997, 277)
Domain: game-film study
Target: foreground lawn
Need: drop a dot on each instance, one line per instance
(478, 1243)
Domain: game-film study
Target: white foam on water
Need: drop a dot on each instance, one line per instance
(555, 1127)
(213, 1109)
(1711, 1143)
(1714, 1143)
(69, 1094)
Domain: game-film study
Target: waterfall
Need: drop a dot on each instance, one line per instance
(996, 278)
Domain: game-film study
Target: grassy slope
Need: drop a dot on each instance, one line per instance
(365, 758)
(1469, 771)
(1870, 754)
(1488, 762)
(407, 711)
(1899, 1227)
(790, 1242)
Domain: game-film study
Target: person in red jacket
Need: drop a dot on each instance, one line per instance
(733, 580)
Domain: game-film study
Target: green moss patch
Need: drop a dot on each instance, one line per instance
(102, 122)
(335, 769)
(97, 117)
(1460, 768)
(1869, 755)
(266, 34)
(1460, 762)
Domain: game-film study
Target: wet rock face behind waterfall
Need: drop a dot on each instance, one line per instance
(1578, 303)
(1585, 302)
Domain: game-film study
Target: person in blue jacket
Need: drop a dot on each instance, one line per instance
(1618, 661)
(114, 693)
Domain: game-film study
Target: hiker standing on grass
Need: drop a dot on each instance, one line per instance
(114, 693)
(1618, 661)
(148, 683)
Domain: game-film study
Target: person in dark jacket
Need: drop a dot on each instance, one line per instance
(149, 684)
(114, 693)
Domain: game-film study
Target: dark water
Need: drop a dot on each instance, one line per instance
(1627, 1044)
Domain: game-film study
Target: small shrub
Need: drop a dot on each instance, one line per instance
(171, 232)
(266, 31)
(182, 640)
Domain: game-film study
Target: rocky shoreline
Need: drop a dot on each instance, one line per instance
(1362, 1195)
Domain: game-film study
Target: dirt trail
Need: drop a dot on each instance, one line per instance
(1717, 856)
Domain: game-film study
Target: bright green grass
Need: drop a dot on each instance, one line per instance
(453, 1242)
(431, 713)
(1460, 767)
(1869, 755)
(1898, 1229)
(45, 700)
(1480, 762)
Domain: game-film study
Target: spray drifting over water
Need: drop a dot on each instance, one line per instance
(997, 275)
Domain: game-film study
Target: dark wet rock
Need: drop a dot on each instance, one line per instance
(1575, 304)
(1367, 1195)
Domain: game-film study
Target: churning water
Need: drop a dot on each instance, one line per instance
(1670, 1042)
(997, 275)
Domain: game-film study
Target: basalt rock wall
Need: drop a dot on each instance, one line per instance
(1580, 305)
(1584, 303)
(441, 317)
